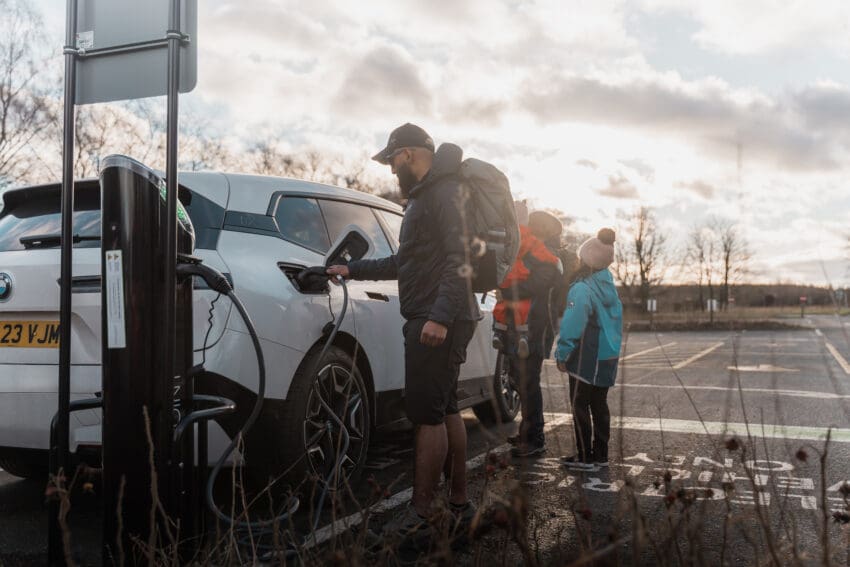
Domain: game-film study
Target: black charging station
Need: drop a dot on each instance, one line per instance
(142, 405)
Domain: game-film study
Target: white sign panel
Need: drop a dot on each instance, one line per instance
(131, 73)
(116, 320)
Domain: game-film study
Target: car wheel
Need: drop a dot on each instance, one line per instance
(23, 466)
(311, 437)
(504, 404)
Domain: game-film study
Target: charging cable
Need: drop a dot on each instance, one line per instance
(221, 284)
(218, 282)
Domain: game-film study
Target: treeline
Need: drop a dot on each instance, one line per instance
(686, 297)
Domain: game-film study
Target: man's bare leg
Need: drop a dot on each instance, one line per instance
(432, 445)
(455, 465)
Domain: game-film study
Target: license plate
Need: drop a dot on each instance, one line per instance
(29, 334)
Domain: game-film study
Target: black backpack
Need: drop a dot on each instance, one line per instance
(493, 230)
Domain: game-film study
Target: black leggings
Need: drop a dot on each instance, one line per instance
(591, 419)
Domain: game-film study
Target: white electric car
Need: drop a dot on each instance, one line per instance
(260, 231)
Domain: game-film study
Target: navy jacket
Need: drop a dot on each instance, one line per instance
(429, 263)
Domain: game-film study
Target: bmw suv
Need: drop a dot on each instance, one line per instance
(260, 232)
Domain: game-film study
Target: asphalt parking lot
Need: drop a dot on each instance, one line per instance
(718, 454)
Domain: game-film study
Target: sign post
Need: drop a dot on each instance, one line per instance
(651, 307)
(59, 441)
(118, 50)
(712, 308)
(803, 300)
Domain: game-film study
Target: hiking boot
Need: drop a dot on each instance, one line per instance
(578, 463)
(409, 529)
(528, 450)
(514, 439)
(463, 516)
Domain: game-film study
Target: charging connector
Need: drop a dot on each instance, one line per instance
(215, 279)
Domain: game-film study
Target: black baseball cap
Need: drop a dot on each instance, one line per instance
(405, 136)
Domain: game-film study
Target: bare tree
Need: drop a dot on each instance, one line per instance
(201, 149)
(24, 110)
(105, 129)
(624, 268)
(734, 257)
(640, 258)
(704, 258)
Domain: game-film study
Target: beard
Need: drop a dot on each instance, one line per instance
(406, 179)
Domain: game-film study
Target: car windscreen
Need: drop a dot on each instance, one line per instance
(36, 221)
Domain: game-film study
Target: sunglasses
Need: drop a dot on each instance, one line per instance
(392, 156)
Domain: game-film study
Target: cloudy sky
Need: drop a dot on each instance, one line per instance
(732, 108)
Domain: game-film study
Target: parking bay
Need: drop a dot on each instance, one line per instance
(675, 407)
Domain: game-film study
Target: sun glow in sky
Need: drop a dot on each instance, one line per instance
(737, 109)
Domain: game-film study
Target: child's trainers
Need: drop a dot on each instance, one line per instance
(576, 462)
(522, 347)
(600, 457)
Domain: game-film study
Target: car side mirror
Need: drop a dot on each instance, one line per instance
(352, 244)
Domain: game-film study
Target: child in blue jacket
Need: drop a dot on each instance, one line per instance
(589, 349)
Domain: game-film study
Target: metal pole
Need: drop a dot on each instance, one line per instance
(174, 36)
(56, 554)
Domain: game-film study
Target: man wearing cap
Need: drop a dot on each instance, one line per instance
(440, 312)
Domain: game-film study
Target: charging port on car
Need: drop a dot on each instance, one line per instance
(308, 286)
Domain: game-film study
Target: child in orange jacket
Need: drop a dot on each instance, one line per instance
(510, 316)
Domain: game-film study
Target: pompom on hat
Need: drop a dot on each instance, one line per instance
(598, 252)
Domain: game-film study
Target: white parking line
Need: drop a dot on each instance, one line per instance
(325, 533)
(740, 429)
(647, 351)
(791, 393)
(697, 356)
(838, 358)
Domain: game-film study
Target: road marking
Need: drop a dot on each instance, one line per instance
(697, 356)
(630, 423)
(740, 429)
(646, 351)
(818, 332)
(761, 368)
(838, 358)
(325, 533)
(792, 393)
(554, 420)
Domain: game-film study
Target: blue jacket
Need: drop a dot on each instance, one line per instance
(592, 330)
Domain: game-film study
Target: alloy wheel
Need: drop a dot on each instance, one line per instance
(324, 441)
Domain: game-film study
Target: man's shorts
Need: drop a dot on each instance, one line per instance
(430, 373)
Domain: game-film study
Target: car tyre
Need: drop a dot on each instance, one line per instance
(503, 405)
(309, 438)
(23, 466)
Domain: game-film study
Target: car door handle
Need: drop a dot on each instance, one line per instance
(378, 296)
